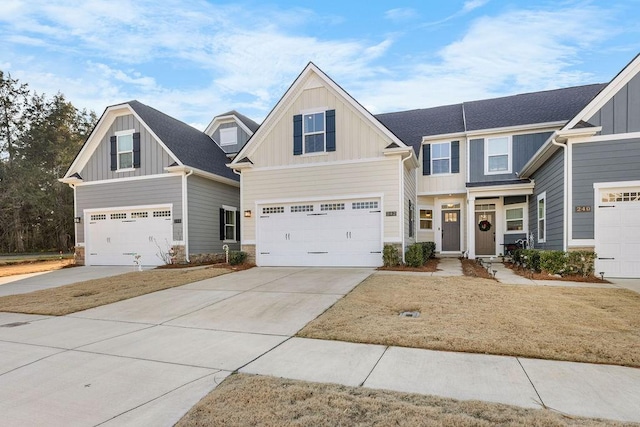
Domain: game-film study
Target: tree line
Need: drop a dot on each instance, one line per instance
(39, 138)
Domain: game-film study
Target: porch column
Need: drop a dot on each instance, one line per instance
(471, 226)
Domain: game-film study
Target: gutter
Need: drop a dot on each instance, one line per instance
(565, 213)
(402, 198)
(185, 215)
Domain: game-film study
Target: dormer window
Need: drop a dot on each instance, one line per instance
(229, 136)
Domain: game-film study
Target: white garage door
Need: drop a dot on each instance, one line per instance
(330, 233)
(618, 233)
(114, 237)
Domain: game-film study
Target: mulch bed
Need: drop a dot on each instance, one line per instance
(544, 276)
(430, 267)
(471, 268)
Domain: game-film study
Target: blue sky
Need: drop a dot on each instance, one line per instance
(194, 59)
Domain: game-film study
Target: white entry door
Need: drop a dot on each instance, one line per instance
(331, 233)
(114, 237)
(617, 232)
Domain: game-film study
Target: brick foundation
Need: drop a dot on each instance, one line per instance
(251, 253)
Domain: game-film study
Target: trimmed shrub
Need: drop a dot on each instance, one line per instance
(390, 256)
(581, 262)
(516, 256)
(428, 250)
(237, 257)
(531, 259)
(414, 256)
(553, 262)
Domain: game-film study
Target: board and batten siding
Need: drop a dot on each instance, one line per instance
(550, 179)
(241, 137)
(621, 114)
(453, 183)
(153, 158)
(356, 136)
(522, 150)
(152, 191)
(410, 194)
(324, 182)
(204, 200)
(607, 161)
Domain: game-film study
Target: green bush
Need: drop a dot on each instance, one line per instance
(428, 250)
(516, 256)
(553, 262)
(390, 256)
(531, 259)
(237, 257)
(414, 256)
(581, 262)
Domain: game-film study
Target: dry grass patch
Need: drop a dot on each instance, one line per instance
(94, 293)
(245, 400)
(482, 316)
(25, 267)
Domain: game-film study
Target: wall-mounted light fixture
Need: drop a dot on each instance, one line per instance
(77, 219)
(247, 214)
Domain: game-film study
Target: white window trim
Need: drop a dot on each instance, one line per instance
(234, 210)
(426, 208)
(509, 156)
(118, 134)
(229, 131)
(440, 158)
(324, 133)
(525, 221)
(543, 197)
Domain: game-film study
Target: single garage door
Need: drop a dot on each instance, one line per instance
(114, 237)
(617, 230)
(329, 233)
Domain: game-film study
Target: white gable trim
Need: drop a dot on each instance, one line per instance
(204, 174)
(608, 92)
(218, 120)
(275, 115)
(101, 129)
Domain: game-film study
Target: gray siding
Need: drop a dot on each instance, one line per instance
(608, 161)
(153, 158)
(523, 149)
(621, 114)
(131, 193)
(204, 200)
(242, 138)
(549, 178)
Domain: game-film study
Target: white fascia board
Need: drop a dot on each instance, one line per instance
(444, 136)
(204, 174)
(564, 134)
(70, 180)
(239, 166)
(514, 130)
(218, 120)
(276, 114)
(501, 190)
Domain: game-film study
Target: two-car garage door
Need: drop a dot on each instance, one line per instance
(115, 237)
(617, 232)
(325, 233)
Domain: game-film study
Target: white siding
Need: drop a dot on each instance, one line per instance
(445, 184)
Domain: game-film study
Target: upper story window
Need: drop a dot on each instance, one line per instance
(440, 158)
(313, 132)
(229, 136)
(125, 151)
(497, 155)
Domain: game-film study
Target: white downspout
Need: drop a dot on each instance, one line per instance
(565, 184)
(402, 199)
(185, 215)
(241, 208)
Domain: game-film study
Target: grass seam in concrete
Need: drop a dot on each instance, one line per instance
(259, 356)
(374, 366)
(532, 385)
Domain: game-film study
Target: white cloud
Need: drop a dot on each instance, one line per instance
(473, 4)
(400, 14)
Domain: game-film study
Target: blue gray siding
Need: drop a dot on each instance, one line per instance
(153, 158)
(621, 114)
(593, 162)
(153, 191)
(204, 200)
(523, 149)
(242, 138)
(549, 178)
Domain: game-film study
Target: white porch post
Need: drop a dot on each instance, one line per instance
(471, 230)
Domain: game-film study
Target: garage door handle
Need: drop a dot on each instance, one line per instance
(375, 252)
(605, 258)
(317, 252)
(607, 206)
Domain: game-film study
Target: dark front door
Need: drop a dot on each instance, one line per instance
(485, 233)
(451, 231)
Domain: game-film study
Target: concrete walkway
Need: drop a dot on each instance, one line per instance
(147, 360)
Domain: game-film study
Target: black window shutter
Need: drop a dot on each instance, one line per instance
(297, 134)
(136, 150)
(330, 118)
(455, 156)
(426, 159)
(222, 228)
(114, 153)
(238, 226)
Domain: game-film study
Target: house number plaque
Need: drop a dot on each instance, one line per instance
(583, 208)
(391, 213)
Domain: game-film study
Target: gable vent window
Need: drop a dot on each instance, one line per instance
(364, 205)
(302, 208)
(98, 217)
(139, 214)
(229, 136)
(314, 132)
(273, 210)
(118, 216)
(157, 214)
(332, 207)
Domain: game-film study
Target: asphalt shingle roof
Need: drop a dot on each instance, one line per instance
(191, 146)
(529, 108)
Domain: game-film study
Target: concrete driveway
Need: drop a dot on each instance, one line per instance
(24, 283)
(147, 360)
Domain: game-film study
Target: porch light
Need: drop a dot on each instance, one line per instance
(247, 214)
(77, 219)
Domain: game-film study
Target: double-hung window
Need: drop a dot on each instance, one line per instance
(515, 219)
(125, 150)
(542, 217)
(426, 219)
(441, 158)
(498, 155)
(229, 223)
(313, 132)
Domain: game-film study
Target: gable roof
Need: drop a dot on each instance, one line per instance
(516, 110)
(253, 126)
